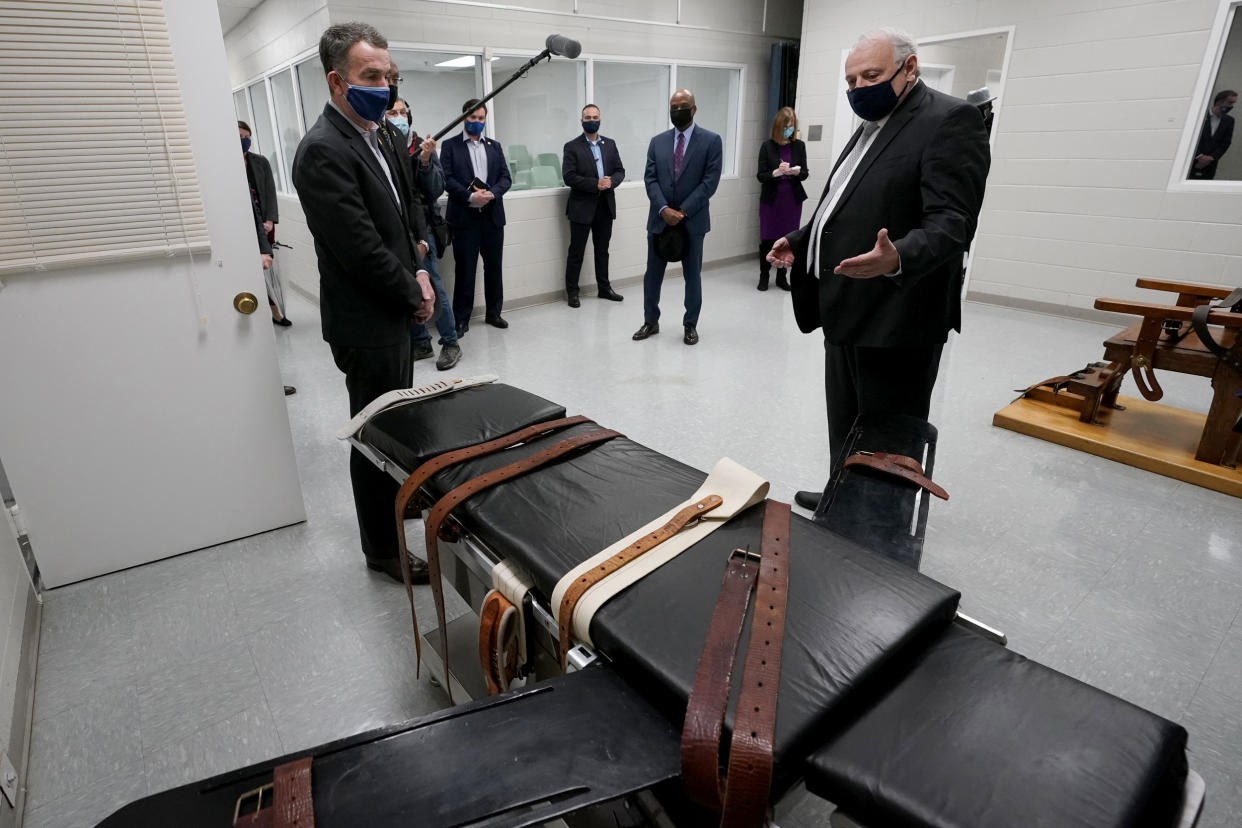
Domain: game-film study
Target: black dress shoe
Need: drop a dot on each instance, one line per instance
(290, 390)
(574, 302)
(611, 295)
(763, 283)
(496, 321)
(391, 567)
(691, 337)
(781, 281)
(462, 327)
(284, 323)
(808, 500)
(647, 330)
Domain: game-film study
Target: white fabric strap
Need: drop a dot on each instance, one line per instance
(513, 582)
(738, 486)
(404, 396)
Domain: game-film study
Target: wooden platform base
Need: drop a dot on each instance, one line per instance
(1151, 436)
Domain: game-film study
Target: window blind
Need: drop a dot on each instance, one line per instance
(95, 157)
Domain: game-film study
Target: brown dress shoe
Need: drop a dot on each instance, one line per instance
(392, 568)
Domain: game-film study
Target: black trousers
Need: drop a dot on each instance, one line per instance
(876, 380)
(370, 372)
(600, 229)
(477, 236)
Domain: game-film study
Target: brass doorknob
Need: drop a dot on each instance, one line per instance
(245, 303)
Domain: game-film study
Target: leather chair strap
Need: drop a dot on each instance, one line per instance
(897, 465)
(687, 516)
(741, 794)
(445, 505)
(1199, 322)
(291, 797)
(409, 489)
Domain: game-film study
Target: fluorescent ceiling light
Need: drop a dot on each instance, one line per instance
(463, 62)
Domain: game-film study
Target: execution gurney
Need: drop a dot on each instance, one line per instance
(888, 707)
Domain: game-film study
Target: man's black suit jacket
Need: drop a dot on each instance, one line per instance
(923, 179)
(367, 258)
(1214, 144)
(582, 178)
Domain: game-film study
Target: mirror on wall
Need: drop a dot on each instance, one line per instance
(1211, 158)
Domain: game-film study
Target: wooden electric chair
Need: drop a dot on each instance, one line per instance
(1197, 335)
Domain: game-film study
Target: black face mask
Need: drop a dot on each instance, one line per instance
(871, 103)
(681, 118)
(392, 95)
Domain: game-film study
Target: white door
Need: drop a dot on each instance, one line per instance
(129, 429)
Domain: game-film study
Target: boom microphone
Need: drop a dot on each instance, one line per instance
(563, 46)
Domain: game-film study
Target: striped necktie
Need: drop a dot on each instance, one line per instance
(678, 155)
(839, 180)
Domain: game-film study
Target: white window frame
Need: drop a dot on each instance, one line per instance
(485, 54)
(1199, 103)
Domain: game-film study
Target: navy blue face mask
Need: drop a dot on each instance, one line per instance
(871, 103)
(368, 102)
(1224, 110)
(591, 127)
(474, 127)
(245, 144)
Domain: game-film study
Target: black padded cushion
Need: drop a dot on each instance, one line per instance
(884, 513)
(412, 433)
(977, 735)
(850, 613)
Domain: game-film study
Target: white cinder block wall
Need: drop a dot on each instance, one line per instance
(726, 31)
(1096, 99)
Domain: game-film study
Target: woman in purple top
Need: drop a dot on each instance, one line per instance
(782, 169)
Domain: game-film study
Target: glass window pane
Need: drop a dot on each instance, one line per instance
(287, 124)
(314, 88)
(241, 106)
(716, 94)
(435, 93)
(537, 115)
(633, 102)
(1212, 157)
(264, 135)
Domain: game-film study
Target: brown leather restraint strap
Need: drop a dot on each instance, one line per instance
(437, 464)
(290, 797)
(741, 795)
(453, 499)
(646, 543)
(898, 465)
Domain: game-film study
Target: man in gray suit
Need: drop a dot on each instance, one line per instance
(683, 171)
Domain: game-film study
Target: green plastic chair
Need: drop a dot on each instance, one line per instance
(544, 177)
(550, 159)
(521, 180)
(519, 155)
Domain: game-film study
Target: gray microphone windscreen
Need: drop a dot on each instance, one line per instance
(563, 46)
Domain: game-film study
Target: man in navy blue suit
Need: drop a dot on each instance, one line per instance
(476, 177)
(683, 171)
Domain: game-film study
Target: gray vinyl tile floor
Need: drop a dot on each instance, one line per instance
(203, 662)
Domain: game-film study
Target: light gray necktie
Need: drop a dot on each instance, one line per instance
(839, 180)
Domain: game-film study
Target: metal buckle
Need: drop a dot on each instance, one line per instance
(745, 555)
(257, 795)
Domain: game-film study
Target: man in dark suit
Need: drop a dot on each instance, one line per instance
(683, 171)
(879, 266)
(591, 167)
(263, 195)
(371, 282)
(476, 176)
(1215, 137)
